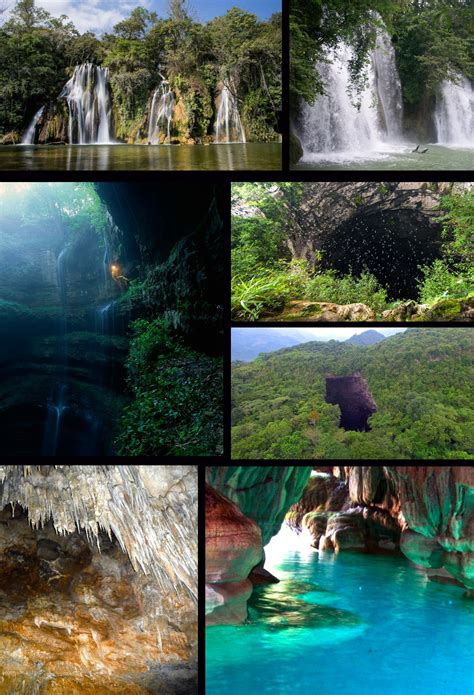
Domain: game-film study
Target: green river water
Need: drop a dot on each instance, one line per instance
(400, 159)
(232, 157)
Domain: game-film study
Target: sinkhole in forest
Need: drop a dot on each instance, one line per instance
(389, 244)
(352, 395)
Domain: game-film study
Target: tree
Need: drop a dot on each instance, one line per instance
(136, 26)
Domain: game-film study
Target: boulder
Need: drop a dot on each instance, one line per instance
(303, 310)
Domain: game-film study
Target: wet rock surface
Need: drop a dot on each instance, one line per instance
(322, 311)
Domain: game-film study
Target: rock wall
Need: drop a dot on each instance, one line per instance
(437, 504)
(233, 549)
(263, 493)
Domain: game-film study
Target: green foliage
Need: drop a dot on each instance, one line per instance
(347, 289)
(433, 43)
(268, 292)
(177, 406)
(420, 381)
(440, 282)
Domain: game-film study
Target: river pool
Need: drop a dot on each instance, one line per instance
(232, 157)
(393, 159)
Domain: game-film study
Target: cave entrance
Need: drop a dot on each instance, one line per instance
(390, 244)
(352, 395)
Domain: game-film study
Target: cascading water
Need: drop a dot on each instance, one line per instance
(57, 405)
(29, 136)
(335, 125)
(88, 98)
(228, 126)
(161, 113)
(454, 113)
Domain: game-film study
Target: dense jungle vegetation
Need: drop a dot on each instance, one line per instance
(38, 53)
(267, 274)
(420, 381)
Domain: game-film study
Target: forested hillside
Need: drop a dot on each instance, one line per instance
(420, 381)
(195, 62)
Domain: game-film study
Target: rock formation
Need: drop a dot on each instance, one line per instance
(389, 228)
(352, 394)
(98, 579)
(426, 512)
(233, 549)
(437, 503)
(263, 493)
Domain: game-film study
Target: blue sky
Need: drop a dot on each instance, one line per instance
(100, 15)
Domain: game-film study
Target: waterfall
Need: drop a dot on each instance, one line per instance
(334, 125)
(29, 137)
(106, 319)
(57, 406)
(228, 127)
(161, 113)
(454, 113)
(88, 99)
(387, 86)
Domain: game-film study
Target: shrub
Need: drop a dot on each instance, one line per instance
(440, 282)
(348, 289)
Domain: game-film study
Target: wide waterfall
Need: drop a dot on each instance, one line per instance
(335, 124)
(228, 126)
(161, 113)
(88, 97)
(29, 136)
(454, 113)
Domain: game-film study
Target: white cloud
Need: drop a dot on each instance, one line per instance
(98, 16)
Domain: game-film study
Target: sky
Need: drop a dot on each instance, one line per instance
(99, 16)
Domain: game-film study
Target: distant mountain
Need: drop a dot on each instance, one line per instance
(366, 338)
(247, 343)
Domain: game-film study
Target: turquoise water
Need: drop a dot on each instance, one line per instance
(378, 628)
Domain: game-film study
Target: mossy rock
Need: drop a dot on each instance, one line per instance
(450, 310)
(296, 149)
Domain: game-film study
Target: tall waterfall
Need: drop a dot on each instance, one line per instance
(57, 405)
(161, 113)
(88, 97)
(454, 113)
(29, 136)
(333, 124)
(228, 126)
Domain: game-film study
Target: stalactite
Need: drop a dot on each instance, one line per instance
(152, 513)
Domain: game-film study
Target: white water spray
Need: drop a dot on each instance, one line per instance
(88, 99)
(29, 136)
(228, 126)
(454, 113)
(161, 113)
(333, 125)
